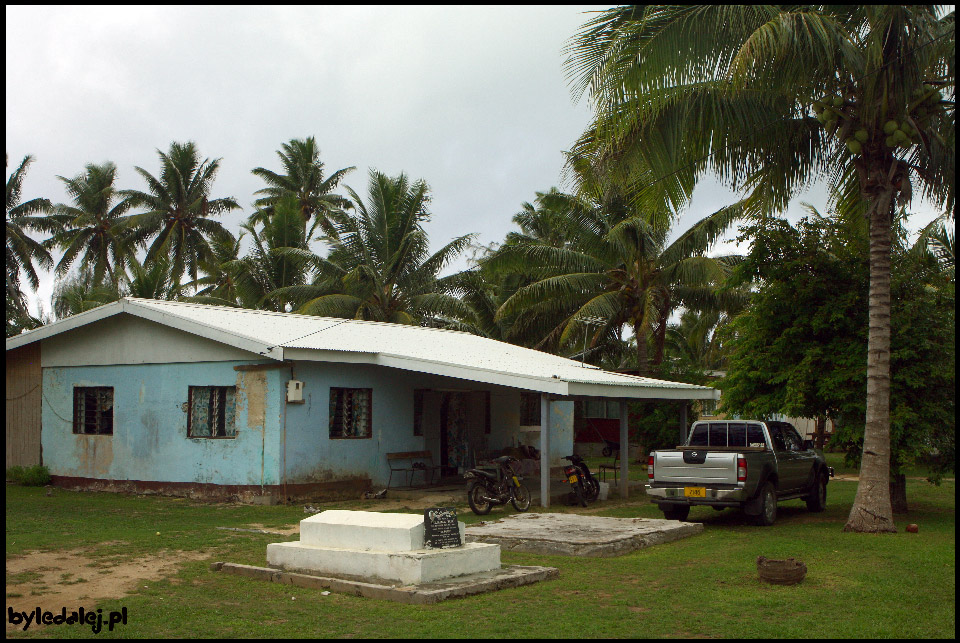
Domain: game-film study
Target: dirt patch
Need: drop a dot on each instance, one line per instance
(72, 579)
(282, 531)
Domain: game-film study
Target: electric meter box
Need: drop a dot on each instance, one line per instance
(295, 392)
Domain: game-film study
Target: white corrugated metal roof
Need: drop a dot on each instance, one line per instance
(430, 350)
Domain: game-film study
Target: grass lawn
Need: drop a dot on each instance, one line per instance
(900, 585)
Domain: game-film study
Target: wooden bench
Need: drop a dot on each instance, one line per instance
(410, 462)
(615, 467)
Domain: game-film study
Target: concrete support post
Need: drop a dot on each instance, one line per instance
(624, 451)
(544, 450)
(683, 422)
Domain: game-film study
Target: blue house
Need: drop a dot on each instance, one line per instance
(167, 397)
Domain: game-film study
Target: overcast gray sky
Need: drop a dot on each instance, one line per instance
(471, 99)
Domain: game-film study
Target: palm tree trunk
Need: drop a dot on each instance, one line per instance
(643, 361)
(872, 510)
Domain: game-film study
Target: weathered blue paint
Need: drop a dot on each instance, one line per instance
(311, 455)
(275, 442)
(150, 440)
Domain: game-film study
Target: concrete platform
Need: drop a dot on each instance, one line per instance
(379, 548)
(578, 535)
(405, 567)
(427, 593)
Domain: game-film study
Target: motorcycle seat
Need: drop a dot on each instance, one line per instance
(485, 474)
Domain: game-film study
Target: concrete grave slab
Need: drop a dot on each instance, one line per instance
(424, 594)
(378, 547)
(577, 535)
(406, 567)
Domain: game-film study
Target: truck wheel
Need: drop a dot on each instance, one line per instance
(677, 512)
(768, 506)
(817, 500)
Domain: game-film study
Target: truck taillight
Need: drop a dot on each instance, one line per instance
(741, 468)
(650, 467)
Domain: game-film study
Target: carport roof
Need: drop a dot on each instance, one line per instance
(286, 336)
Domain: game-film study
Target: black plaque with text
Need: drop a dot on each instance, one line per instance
(441, 529)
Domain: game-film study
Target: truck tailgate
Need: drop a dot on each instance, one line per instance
(719, 467)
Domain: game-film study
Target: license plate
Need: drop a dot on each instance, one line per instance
(695, 492)
(572, 479)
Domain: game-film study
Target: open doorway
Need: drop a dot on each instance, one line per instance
(456, 426)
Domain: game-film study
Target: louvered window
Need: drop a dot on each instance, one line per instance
(350, 411)
(212, 412)
(93, 410)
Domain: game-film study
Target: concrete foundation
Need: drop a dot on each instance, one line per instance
(424, 594)
(578, 535)
(381, 547)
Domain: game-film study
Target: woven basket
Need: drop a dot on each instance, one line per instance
(789, 571)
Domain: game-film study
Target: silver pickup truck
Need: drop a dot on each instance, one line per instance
(738, 463)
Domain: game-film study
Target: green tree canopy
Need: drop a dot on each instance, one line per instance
(799, 349)
(303, 177)
(379, 267)
(22, 250)
(772, 98)
(94, 227)
(179, 211)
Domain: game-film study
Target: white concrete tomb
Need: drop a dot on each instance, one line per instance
(378, 546)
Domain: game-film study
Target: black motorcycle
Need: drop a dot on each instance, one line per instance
(584, 485)
(485, 489)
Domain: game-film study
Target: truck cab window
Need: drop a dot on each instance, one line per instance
(777, 436)
(698, 438)
(718, 434)
(755, 436)
(792, 438)
(737, 434)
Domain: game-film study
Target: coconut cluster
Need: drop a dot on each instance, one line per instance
(837, 114)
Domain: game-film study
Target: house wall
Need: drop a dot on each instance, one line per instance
(125, 339)
(150, 440)
(312, 456)
(24, 393)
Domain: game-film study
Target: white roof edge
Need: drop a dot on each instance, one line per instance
(63, 325)
(476, 374)
(679, 391)
(204, 330)
(130, 305)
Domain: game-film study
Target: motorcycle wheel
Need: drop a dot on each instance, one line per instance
(476, 497)
(520, 498)
(591, 488)
(581, 494)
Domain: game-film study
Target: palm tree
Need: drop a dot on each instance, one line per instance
(303, 177)
(94, 227)
(280, 260)
(76, 293)
(379, 267)
(773, 99)
(153, 280)
(484, 289)
(695, 341)
(179, 209)
(218, 286)
(23, 251)
(617, 271)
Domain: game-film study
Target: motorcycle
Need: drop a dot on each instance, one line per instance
(585, 486)
(484, 489)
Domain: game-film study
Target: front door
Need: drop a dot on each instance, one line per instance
(464, 423)
(453, 431)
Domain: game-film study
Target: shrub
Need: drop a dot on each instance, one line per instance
(35, 476)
